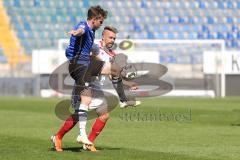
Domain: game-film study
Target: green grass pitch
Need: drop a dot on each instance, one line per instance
(159, 129)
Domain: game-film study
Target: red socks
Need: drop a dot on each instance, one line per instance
(68, 125)
(96, 129)
(72, 121)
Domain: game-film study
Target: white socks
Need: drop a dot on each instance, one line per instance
(82, 119)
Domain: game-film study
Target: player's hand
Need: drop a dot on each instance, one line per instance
(133, 86)
(77, 32)
(72, 32)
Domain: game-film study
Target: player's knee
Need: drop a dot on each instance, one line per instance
(74, 117)
(86, 100)
(116, 79)
(116, 70)
(86, 97)
(104, 117)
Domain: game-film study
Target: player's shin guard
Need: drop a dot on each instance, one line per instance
(96, 129)
(82, 122)
(82, 138)
(67, 126)
(118, 85)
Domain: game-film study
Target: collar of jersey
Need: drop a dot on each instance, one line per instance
(110, 52)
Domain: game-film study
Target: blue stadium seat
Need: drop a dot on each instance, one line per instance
(27, 26)
(205, 28)
(229, 36)
(238, 35)
(221, 5)
(210, 35)
(229, 20)
(36, 3)
(17, 3)
(196, 28)
(192, 19)
(170, 35)
(220, 35)
(200, 35)
(234, 43)
(201, 5)
(210, 20)
(192, 35)
(181, 20)
(229, 5)
(234, 28)
(186, 28)
(238, 5)
(238, 44)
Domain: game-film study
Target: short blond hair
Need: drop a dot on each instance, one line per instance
(110, 28)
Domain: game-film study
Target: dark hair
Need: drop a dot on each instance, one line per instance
(111, 28)
(96, 12)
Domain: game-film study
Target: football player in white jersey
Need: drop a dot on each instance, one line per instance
(107, 55)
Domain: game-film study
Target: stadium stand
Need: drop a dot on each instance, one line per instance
(40, 23)
(9, 42)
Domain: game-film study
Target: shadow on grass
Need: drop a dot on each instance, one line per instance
(73, 149)
(80, 149)
(108, 148)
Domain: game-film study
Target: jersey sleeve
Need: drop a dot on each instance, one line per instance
(95, 49)
(81, 25)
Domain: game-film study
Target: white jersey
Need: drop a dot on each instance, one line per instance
(104, 55)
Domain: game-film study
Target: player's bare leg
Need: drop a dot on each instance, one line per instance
(111, 69)
(82, 113)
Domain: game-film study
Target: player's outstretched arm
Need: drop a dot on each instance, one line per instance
(77, 32)
(130, 84)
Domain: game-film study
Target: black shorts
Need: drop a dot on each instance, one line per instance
(82, 74)
(78, 73)
(94, 69)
